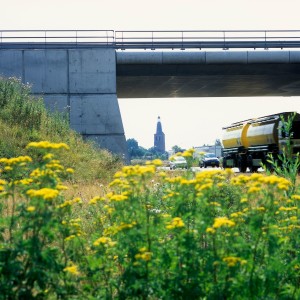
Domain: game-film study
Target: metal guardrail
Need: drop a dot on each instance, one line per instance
(208, 39)
(193, 39)
(56, 38)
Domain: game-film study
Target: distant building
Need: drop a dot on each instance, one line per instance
(216, 149)
(159, 138)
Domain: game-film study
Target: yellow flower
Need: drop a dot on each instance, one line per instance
(16, 160)
(205, 186)
(45, 193)
(61, 187)
(116, 182)
(155, 162)
(70, 170)
(69, 202)
(162, 174)
(210, 230)
(30, 208)
(254, 189)
(48, 156)
(234, 215)
(77, 200)
(118, 198)
(104, 241)
(47, 145)
(73, 269)
(26, 181)
(94, 200)
(282, 208)
(223, 221)
(256, 176)
(231, 261)
(260, 208)
(70, 237)
(118, 174)
(175, 223)
(188, 153)
(283, 186)
(295, 197)
(146, 256)
(228, 171)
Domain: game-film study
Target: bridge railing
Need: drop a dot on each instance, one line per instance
(207, 39)
(192, 39)
(48, 38)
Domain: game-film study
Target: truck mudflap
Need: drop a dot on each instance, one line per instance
(228, 163)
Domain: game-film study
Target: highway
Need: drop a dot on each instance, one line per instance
(198, 169)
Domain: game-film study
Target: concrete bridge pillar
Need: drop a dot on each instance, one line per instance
(80, 81)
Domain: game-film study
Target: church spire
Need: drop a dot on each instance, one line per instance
(158, 126)
(159, 137)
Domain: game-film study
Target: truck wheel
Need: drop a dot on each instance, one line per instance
(243, 169)
(242, 165)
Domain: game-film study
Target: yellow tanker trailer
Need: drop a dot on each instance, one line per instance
(248, 143)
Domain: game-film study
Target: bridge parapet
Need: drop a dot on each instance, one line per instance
(208, 39)
(170, 39)
(62, 39)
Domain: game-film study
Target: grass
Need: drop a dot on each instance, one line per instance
(24, 119)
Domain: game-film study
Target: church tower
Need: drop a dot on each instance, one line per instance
(159, 138)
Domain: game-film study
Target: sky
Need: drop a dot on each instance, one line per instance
(186, 122)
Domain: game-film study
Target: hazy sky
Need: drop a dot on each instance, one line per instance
(186, 122)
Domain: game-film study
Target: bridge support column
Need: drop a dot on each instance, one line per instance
(81, 81)
(97, 117)
(94, 108)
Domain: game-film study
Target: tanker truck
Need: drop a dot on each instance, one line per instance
(247, 144)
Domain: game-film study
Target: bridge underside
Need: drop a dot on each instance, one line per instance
(210, 80)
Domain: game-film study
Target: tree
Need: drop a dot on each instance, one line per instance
(153, 153)
(177, 149)
(134, 150)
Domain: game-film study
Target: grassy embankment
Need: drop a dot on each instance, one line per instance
(24, 119)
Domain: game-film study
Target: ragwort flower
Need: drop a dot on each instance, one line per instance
(175, 223)
(45, 193)
(47, 145)
(223, 221)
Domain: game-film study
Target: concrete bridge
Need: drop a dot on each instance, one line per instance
(84, 72)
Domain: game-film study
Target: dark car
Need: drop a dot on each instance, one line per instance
(209, 160)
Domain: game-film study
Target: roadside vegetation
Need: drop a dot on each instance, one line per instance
(24, 119)
(148, 234)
